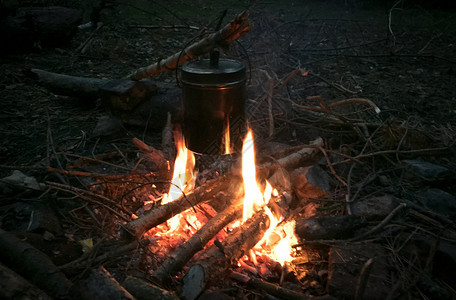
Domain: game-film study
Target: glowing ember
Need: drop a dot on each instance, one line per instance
(281, 252)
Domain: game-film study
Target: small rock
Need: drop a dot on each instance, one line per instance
(20, 179)
(333, 227)
(440, 201)
(310, 182)
(374, 208)
(427, 170)
(106, 126)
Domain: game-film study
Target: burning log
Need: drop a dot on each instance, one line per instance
(212, 190)
(215, 190)
(218, 258)
(232, 31)
(30, 262)
(185, 252)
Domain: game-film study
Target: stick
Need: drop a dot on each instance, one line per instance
(217, 259)
(232, 31)
(273, 289)
(294, 160)
(185, 252)
(362, 280)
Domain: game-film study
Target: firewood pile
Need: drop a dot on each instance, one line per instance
(354, 209)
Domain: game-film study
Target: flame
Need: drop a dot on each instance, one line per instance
(253, 199)
(252, 193)
(183, 179)
(227, 138)
(281, 251)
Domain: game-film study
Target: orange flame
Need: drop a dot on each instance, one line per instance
(183, 179)
(254, 198)
(227, 139)
(252, 193)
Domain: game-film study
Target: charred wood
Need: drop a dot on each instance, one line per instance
(185, 252)
(219, 257)
(212, 190)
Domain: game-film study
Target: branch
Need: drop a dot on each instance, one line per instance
(232, 31)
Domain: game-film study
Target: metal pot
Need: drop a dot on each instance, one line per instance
(214, 105)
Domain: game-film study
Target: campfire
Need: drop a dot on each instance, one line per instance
(255, 198)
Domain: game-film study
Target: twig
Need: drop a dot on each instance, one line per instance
(83, 46)
(357, 238)
(363, 278)
(381, 224)
(390, 22)
(164, 26)
(84, 193)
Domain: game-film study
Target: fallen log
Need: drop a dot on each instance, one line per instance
(142, 290)
(229, 33)
(215, 191)
(133, 102)
(185, 252)
(14, 286)
(33, 264)
(217, 259)
(100, 284)
(124, 94)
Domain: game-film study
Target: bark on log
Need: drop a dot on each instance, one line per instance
(292, 161)
(213, 190)
(33, 264)
(232, 31)
(14, 286)
(116, 94)
(67, 85)
(185, 252)
(217, 259)
(142, 290)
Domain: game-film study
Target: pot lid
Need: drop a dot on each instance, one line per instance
(201, 71)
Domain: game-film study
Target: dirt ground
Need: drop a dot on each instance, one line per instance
(402, 60)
